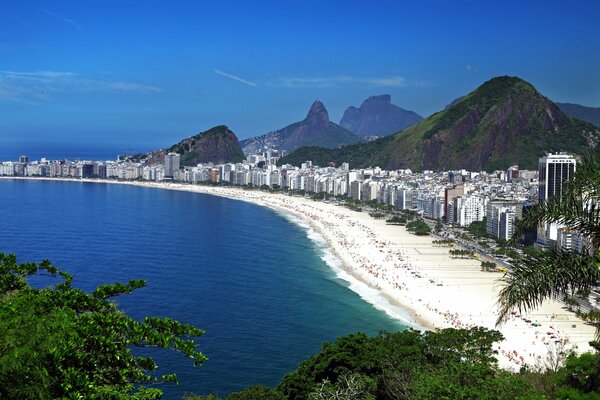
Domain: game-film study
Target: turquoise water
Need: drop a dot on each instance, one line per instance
(252, 279)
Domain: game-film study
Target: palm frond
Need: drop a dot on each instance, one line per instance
(578, 207)
(550, 274)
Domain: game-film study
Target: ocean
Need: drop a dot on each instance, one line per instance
(264, 287)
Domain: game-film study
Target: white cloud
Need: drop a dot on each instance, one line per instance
(235, 78)
(21, 86)
(471, 68)
(342, 80)
(63, 19)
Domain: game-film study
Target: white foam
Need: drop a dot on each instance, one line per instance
(366, 292)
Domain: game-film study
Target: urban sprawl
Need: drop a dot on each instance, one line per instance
(457, 197)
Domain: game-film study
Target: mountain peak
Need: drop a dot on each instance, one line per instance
(314, 130)
(217, 130)
(319, 109)
(377, 116)
(381, 99)
(503, 122)
(507, 83)
(218, 145)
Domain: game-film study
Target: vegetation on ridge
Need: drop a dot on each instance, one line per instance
(217, 145)
(505, 121)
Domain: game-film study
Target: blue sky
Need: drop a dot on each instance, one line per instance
(146, 74)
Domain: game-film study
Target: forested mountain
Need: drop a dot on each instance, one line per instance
(503, 122)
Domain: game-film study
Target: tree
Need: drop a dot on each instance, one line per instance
(578, 378)
(418, 227)
(257, 392)
(558, 273)
(348, 387)
(61, 342)
(478, 228)
(488, 266)
(396, 220)
(451, 363)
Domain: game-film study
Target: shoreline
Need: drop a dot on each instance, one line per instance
(411, 274)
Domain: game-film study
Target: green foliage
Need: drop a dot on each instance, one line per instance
(201, 397)
(551, 274)
(377, 215)
(580, 373)
(468, 381)
(396, 220)
(477, 228)
(502, 109)
(217, 144)
(508, 252)
(485, 97)
(60, 342)
(418, 227)
(488, 266)
(558, 273)
(588, 114)
(459, 253)
(406, 365)
(348, 387)
(356, 155)
(442, 242)
(257, 392)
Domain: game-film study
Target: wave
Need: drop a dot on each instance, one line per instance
(366, 292)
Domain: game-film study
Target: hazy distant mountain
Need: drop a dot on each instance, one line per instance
(588, 114)
(377, 116)
(505, 121)
(217, 145)
(314, 130)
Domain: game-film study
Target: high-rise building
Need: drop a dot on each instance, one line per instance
(501, 216)
(554, 170)
(87, 170)
(23, 159)
(512, 173)
(467, 209)
(450, 194)
(171, 165)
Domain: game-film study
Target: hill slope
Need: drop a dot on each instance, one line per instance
(377, 116)
(587, 114)
(503, 122)
(217, 145)
(314, 130)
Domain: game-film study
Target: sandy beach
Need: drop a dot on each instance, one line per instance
(436, 290)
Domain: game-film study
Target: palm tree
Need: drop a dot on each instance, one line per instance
(558, 273)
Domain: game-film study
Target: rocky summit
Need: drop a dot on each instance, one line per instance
(377, 116)
(217, 145)
(503, 122)
(314, 130)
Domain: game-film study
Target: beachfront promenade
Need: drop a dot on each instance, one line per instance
(437, 291)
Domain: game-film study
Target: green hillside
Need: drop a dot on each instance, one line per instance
(505, 121)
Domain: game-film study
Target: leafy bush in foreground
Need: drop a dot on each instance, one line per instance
(61, 342)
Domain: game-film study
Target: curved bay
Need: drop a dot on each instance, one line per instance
(247, 276)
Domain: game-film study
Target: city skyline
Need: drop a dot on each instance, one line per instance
(149, 77)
